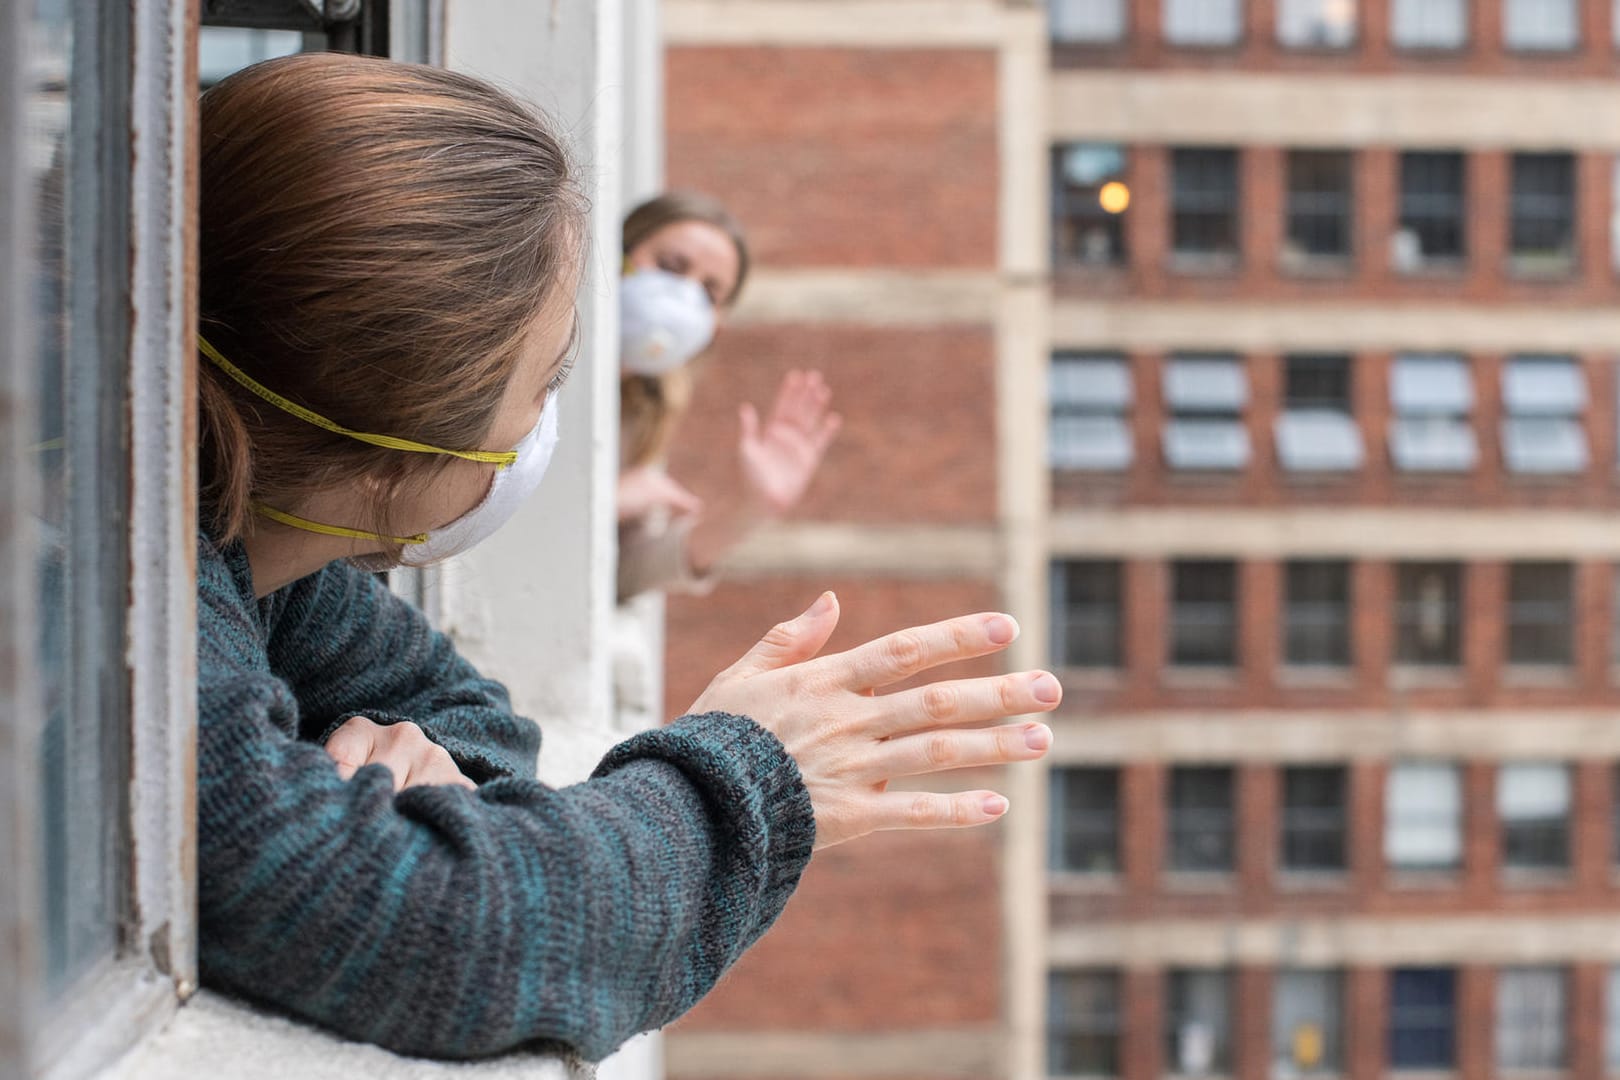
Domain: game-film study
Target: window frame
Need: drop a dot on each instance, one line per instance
(1542, 210)
(1432, 207)
(1063, 607)
(1331, 980)
(1190, 820)
(1505, 1013)
(1232, 607)
(1116, 416)
(1316, 606)
(1095, 1025)
(1199, 197)
(1319, 820)
(1305, 207)
(1177, 1008)
(1557, 834)
(1555, 613)
(1094, 821)
(1407, 612)
(1450, 1025)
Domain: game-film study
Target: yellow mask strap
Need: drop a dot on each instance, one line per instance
(332, 530)
(500, 458)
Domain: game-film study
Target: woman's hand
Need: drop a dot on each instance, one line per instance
(849, 743)
(645, 489)
(779, 460)
(411, 756)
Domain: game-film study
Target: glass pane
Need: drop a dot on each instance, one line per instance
(78, 445)
(1205, 385)
(1423, 817)
(1611, 1021)
(1203, 22)
(1201, 825)
(1422, 1020)
(1317, 614)
(1425, 385)
(1307, 1024)
(1541, 613)
(1319, 441)
(1203, 615)
(1090, 199)
(1087, 22)
(1204, 199)
(1428, 614)
(1086, 615)
(1544, 386)
(1432, 230)
(1317, 24)
(1541, 24)
(1313, 821)
(1199, 1028)
(1102, 383)
(1530, 1018)
(1429, 24)
(1319, 205)
(1085, 825)
(1083, 1023)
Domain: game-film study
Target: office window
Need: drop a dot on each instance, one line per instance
(1091, 397)
(1201, 822)
(1198, 1032)
(1316, 24)
(1422, 1018)
(1090, 198)
(1530, 1019)
(1541, 614)
(1085, 820)
(1315, 814)
(1429, 24)
(1532, 805)
(1086, 22)
(1203, 23)
(1316, 614)
(1541, 232)
(1432, 430)
(1083, 1023)
(1086, 614)
(1205, 397)
(1428, 614)
(1203, 614)
(1543, 433)
(1433, 231)
(1204, 207)
(1423, 816)
(1317, 431)
(1611, 1021)
(1307, 1025)
(1319, 208)
(1541, 25)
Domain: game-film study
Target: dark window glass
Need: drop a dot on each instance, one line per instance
(1198, 1028)
(1082, 1026)
(1203, 615)
(1428, 607)
(1086, 614)
(1319, 206)
(1317, 382)
(1317, 614)
(1085, 820)
(1204, 206)
(1542, 229)
(1433, 228)
(1422, 1018)
(1201, 836)
(1314, 817)
(1532, 806)
(1541, 614)
(1090, 198)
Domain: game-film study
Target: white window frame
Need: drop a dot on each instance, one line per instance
(154, 968)
(1450, 818)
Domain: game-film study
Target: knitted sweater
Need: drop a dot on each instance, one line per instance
(444, 921)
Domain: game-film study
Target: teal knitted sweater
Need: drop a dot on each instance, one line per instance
(444, 921)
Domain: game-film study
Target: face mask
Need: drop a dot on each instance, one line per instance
(518, 474)
(665, 320)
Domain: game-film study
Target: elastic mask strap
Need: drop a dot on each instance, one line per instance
(501, 458)
(332, 530)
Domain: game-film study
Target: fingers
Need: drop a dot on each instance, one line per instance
(679, 499)
(411, 758)
(931, 810)
(826, 433)
(966, 701)
(748, 416)
(940, 751)
(351, 745)
(794, 641)
(900, 655)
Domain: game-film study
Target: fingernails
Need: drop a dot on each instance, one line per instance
(995, 805)
(1037, 736)
(1046, 688)
(823, 605)
(1001, 628)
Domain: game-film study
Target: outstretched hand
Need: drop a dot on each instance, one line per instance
(849, 743)
(780, 457)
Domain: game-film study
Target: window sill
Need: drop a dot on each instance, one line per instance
(1093, 679)
(1076, 881)
(1533, 274)
(1529, 879)
(215, 1036)
(1424, 880)
(1323, 677)
(1311, 881)
(1199, 881)
(1213, 266)
(1419, 677)
(1319, 268)
(1539, 676)
(1447, 270)
(1196, 678)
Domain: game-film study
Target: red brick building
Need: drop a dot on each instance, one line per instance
(1259, 355)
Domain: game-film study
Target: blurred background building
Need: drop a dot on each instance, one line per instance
(1257, 354)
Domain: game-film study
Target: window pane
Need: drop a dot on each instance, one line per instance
(1317, 24)
(1316, 432)
(1319, 206)
(1086, 614)
(1428, 606)
(1538, 25)
(1314, 817)
(1203, 22)
(1611, 1021)
(224, 49)
(1204, 205)
(1085, 820)
(1530, 1018)
(1431, 384)
(1433, 231)
(1307, 1032)
(1203, 615)
(78, 447)
(1542, 230)
(1423, 817)
(1087, 22)
(1206, 396)
(1429, 24)
(1199, 1023)
(1532, 804)
(1544, 386)
(1090, 198)
(1201, 836)
(1090, 400)
(1083, 1023)
(1541, 614)
(1422, 1018)
(1316, 619)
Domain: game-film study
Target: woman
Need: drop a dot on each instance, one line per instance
(388, 260)
(686, 260)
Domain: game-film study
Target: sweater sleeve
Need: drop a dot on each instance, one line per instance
(455, 923)
(348, 646)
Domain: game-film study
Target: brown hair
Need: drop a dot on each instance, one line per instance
(651, 405)
(376, 239)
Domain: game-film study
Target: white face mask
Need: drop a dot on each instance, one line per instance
(509, 489)
(665, 320)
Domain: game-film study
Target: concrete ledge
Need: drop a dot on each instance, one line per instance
(795, 1055)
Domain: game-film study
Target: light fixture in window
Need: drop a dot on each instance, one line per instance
(1114, 198)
